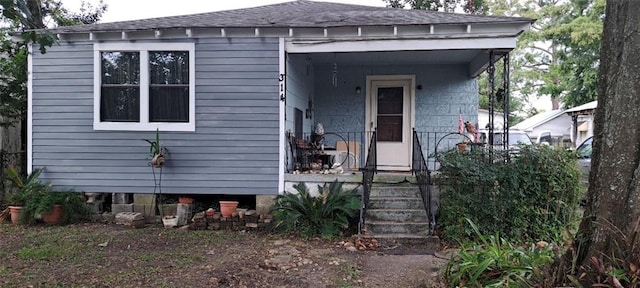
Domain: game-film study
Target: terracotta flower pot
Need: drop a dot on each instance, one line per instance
(185, 200)
(15, 213)
(55, 216)
(227, 208)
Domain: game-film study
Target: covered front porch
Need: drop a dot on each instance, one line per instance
(335, 101)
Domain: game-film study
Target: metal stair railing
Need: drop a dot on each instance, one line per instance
(370, 169)
(421, 171)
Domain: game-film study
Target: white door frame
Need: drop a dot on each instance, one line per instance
(368, 106)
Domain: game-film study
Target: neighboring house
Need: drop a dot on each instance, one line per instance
(582, 121)
(224, 87)
(483, 119)
(555, 122)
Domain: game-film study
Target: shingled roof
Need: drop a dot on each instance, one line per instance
(297, 14)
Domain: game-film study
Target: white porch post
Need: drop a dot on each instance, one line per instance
(282, 90)
(30, 109)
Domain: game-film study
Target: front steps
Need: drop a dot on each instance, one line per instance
(396, 213)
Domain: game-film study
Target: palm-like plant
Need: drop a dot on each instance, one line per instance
(156, 151)
(328, 214)
(24, 188)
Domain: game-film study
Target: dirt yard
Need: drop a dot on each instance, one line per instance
(105, 255)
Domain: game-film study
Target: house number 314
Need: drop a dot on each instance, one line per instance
(281, 80)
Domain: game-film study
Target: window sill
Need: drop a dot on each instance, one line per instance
(129, 126)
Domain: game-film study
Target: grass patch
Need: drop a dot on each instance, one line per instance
(178, 259)
(351, 272)
(47, 252)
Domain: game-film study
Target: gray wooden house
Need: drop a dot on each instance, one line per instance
(234, 93)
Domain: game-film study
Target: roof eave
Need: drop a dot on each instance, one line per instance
(475, 30)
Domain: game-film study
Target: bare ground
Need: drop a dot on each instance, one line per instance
(104, 255)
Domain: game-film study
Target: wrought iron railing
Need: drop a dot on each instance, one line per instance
(301, 151)
(368, 172)
(421, 171)
(306, 150)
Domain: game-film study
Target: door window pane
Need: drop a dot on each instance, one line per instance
(390, 100)
(389, 128)
(390, 114)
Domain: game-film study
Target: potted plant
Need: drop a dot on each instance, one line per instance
(157, 153)
(31, 197)
(22, 191)
(57, 207)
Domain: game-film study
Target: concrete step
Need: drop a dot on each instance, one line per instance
(397, 215)
(396, 203)
(391, 240)
(413, 228)
(394, 178)
(395, 191)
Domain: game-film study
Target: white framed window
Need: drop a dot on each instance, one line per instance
(144, 86)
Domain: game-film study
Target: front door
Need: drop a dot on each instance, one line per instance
(390, 115)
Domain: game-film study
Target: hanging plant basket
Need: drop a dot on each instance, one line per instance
(158, 160)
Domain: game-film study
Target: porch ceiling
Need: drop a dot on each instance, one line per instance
(397, 57)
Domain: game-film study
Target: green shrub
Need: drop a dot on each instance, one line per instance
(327, 215)
(38, 198)
(496, 263)
(534, 196)
(73, 205)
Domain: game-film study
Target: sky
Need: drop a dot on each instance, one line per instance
(121, 10)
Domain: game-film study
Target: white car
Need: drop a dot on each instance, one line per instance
(516, 138)
(584, 156)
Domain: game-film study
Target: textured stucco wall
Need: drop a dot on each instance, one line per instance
(446, 92)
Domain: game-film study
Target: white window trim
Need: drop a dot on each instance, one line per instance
(144, 124)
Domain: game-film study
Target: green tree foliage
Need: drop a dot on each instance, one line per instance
(469, 6)
(558, 57)
(580, 34)
(28, 17)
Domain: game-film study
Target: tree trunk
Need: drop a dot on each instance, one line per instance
(613, 201)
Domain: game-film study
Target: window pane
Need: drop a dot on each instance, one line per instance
(120, 104)
(169, 104)
(169, 67)
(120, 67)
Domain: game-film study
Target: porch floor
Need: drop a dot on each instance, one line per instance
(352, 177)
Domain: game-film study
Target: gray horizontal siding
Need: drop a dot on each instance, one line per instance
(234, 149)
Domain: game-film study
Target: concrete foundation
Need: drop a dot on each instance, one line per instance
(145, 204)
(117, 208)
(184, 213)
(263, 203)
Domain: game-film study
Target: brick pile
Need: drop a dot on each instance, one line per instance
(249, 221)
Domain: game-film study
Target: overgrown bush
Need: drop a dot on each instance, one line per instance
(327, 215)
(532, 196)
(495, 262)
